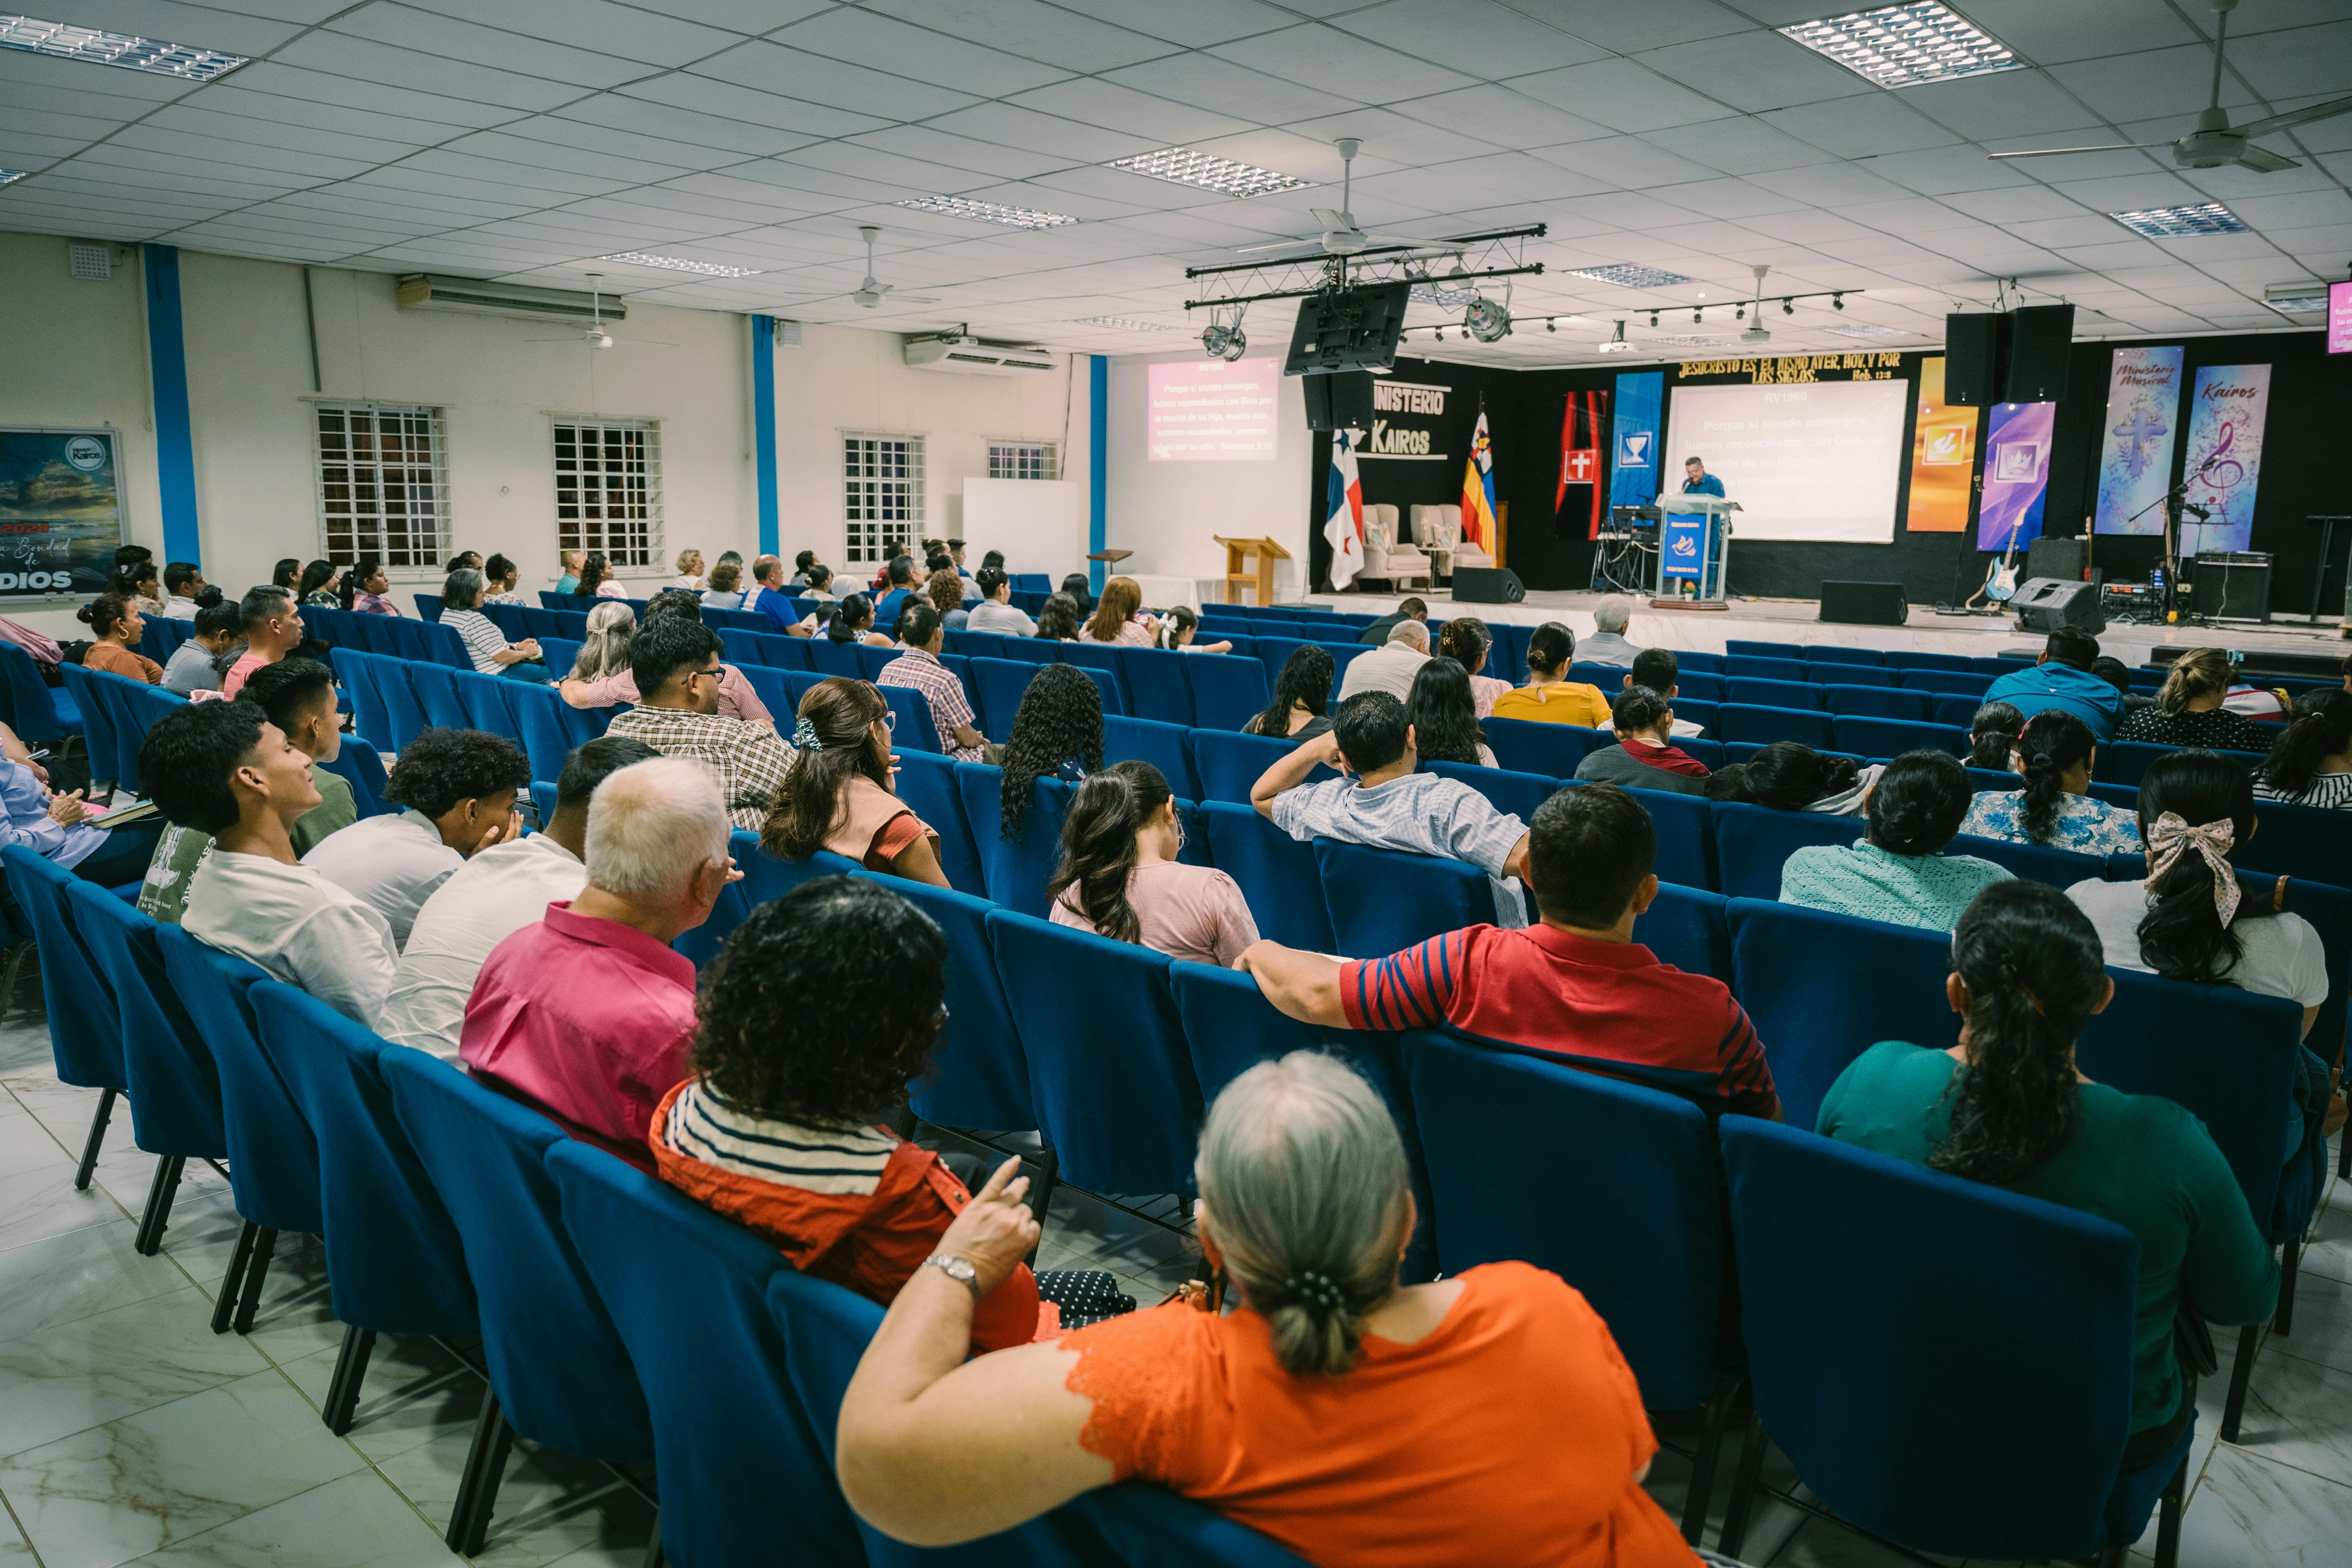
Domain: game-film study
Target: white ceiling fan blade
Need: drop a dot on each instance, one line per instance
(642, 344)
(2262, 161)
(917, 299)
(1332, 218)
(1275, 245)
(2329, 111)
(2060, 152)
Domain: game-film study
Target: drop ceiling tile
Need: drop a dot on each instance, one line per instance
(1359, 68)
(365, 61)
(1907, 215)
(540, 182)
(755, 186)
(2001, 103)
(293, 166)
(1741, 145)
(627, 32)
(1877, 123)
(2201, 247)
(2048, 34)
(1524, 178)
(1051, 194)
(1132, 193)
(1625, 209)
(1196, 23)
(138, 166)
(1945, 171)
(2020, 204)
(1827, 229)
(2061, 233)
(969, 153)
(308, 91)
(1629, 29)
(641, 117)
(1627, 162)
(424, 34)
(429, 190)
(1043, 135)
(835, 84)
(2300, 60)
(1755, 71)
(614, 150)
(791, 175)
(23, 150)
(2129, 86)
(2129, 193)
(1224, 87)
(1728, 198)
(78, 128)
(2071, 168)
(1503, 116)
(2233, 185)
(1483, 37)
(682, 89)
(1097, 102)
(2326, 244)
(406, 195)
(1829, 184)
(1064, 37)
(192, 119)
(1618, 95)
(857, 37)
(1390, 140)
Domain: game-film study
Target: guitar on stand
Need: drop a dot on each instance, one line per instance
(2001, 577)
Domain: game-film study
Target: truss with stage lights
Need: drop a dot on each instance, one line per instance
(1461, 259)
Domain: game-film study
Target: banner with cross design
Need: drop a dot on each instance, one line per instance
(2135, 445)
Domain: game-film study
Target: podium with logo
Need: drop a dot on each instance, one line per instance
(1692, 549)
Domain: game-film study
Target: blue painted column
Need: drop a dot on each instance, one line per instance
(167, 362)
(763, 426)
(1097, 461)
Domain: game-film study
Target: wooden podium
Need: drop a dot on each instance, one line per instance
(1237, 572)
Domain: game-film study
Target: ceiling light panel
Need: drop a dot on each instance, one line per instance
(1122, 324)
(1903, 46)
(10, 176)
(1867, 330)
(2286, 298)
(1694, 341)
(1445, 298)
(2179, 223)
(988, 212)
(682, 264)
(1626, 275)
(1184, 166)
(68, 42)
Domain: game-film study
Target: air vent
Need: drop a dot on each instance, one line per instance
(788, 334)
(479, 296)
(93, 263)
(964, 355)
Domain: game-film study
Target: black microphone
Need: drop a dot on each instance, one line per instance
(2199, 512)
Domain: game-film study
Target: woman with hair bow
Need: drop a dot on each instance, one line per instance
(841, 794)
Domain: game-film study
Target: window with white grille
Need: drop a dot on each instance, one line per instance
(882, 508)
(608, 494)
(1023, 460)
(384, 484)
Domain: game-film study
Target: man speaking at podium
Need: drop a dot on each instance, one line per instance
(1697, 481)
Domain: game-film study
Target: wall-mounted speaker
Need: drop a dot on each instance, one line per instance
(1338, 400)
(1974, 352)
(2041, 344)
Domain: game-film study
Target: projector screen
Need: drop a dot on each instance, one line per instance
(1816, 463)
(1210, 410)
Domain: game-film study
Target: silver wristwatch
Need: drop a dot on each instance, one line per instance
(958, 1269)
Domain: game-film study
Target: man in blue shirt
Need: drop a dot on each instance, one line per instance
(902, 578)
(2061, 677)
(1697, 481)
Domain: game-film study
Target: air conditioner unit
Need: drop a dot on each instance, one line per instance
(975, 356)
(480, 297)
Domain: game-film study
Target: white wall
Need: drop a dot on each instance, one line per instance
(1168, 511)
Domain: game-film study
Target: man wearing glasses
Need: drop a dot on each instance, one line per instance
(674, 662)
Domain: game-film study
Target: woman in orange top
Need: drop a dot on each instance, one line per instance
(840, 793)
(1487, 1418)
(117, 624)
(1550, 696)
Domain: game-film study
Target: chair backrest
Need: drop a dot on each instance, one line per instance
(1226, 764)
(1852, 675)
(872, 661)
(1689, 928)
(996, 687)
(1167, 747)
(1946, 709)
(979, 1075)
(1228, 690)
(1516, 792)
(1385, 900)
(1505, 1133)
(1892, 737)
(428, 606)
(168, 1072)
(1753, 842)
(1113, 700)
(1879, 702)
(1015, 873)
(1156, 685)
(1275, 873)
(395, 683)
(97, 721)
(508, 618)
(85, 1023)
(1906, 1419)
(487, 699)
(539, 723)
(1535, 746)
(443, 645)
(1838, 653)
(1230, 1027)
(1741, 666)
(1794, 692)
(2299, 841)
(1901, 658)
(1746, 722)
(926, 783)
(1736, 648)
(2034, 862)
(357, 671)
(437, 693)
(30, 714)
(1685, 827)
(111, 695)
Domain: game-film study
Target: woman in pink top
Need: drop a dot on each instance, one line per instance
(840, 793)
(1465, 640)
(1119, 877)
(1119, 618)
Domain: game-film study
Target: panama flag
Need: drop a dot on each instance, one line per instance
(1345, 527)
(1478, 490)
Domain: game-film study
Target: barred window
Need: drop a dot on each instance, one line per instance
(384, 485)
(608, 496)
(882, 508)
(1023, 460)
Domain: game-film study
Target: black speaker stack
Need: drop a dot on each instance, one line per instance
(2014, 356)
(1865, 603)
(1487, 586)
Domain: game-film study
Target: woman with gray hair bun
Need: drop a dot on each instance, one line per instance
(1355, 1419)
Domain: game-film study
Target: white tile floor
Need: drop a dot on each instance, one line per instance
(130, 1433)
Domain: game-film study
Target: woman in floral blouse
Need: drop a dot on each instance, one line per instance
(2054, 751)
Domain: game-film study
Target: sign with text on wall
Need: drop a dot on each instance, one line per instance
(60, 511)
(1400, 412)
(1210, 411)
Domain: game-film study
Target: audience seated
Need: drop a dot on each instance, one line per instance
(223, 768)
(134, 582)
(2054, 752)
(674, 663)
(903, 578)
(1788, 775)
(459, 788)
(2007, 1106)
(1180, 632)
(1465, 640)
(819, 585)
(995, 612)
(1352, 1418)
(2311, 762)
(569, 564)
(1900, 874)
(767, 589)
(1444, 714)
(1119, 877)
(1388, 804)
(1391, 667)
(1059, 618)
(116, 625)
(1993, 736)
(922, 635)
(2118, 674)
(1607, 645)
(1550, 696)
(1057, 733)
(499, 577)
(1376, 634)
(58, 825)
(1080, 594)
(588, 1013)
(1301, 692)
(1658, 668)
(1644, 756)
(196, 664)
(601, 677)
(320, 586)
(504, 888)
(184, 585)
(726, 587)
(2061, 677)
(273, 628)
(297, 695)
(2188, 711)
(462, 596)
(853, 622)
(944, 593)
(596, 579)
(690, 572)
(1119, 618)
(370, 588)
(842, 791)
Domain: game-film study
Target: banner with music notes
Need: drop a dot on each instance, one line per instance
(2136, 450)
(2224, 460)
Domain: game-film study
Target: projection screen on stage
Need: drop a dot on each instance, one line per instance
(1816, 463)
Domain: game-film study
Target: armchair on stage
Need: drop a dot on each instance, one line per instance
(1438, 530)
(1385, 556)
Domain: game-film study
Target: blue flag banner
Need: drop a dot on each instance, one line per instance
(1633, 441)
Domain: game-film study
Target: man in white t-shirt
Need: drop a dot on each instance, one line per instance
(459, 787)
(494, 895)
(223, 768)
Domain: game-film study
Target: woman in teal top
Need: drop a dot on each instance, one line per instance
(2007, 1106)
(1900, 874)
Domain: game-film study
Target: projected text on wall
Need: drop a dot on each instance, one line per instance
(1212, 412)
(1818, 463)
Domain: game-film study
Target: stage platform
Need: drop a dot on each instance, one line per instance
(2288, 647)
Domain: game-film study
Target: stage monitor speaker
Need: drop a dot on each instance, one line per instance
(1487, 586)
(2045, 604)
(2231, 587)
(1338, 400)
(1865, 603)
(1975, 350)
(2055, 558)
(2041, 344)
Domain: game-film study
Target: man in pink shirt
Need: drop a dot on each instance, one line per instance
(273, 628)
(589, 1012)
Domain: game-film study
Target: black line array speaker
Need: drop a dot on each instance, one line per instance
(1865, 603)
(1338, 400)
(2055, 558)
(1975, 355)
(2041, 343)
(2045, 604)
(1487, 586)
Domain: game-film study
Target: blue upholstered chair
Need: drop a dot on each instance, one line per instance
(1892, 737)
(1275, 873)
(1750, 667)
(1230, 1027)
(1226, 764)
(1748, 721)
(1536, 746)
(85, 1023)
(926, 783)
(1519, 794)
(997, 685)
(1228, 690)
(1384, 901)
(1752, 843)
(1793, 692)
(2034, 862)
(1751, 648)
(1015, 873)
(1685, 827)
(1167, 747)
(1838, 653)
(979, 1075)
(1878, 702)
(1157, 686)
(1689, 928)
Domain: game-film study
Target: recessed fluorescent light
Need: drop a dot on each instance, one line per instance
(1693, 341)
(2286, 298)
(989, 212)
(68, 42)
(1903, 46)
(1122, 324)
(682, 264)
(1866, 329)
(1186, 167)
(1626, 275)
(1444, 298)
(2176, 223)
(10, 176)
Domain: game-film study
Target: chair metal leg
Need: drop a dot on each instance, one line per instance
(241, 1257)
(2290, 1259)
(2242, 1369)
(96, 1136)
(1710, 1452)
(1744, 1484)
(265, 1243)
(653, 1558)
(158, 1212)
(343, 1388)
(477, 1485)
(1040, 1196)
(2169, 1508)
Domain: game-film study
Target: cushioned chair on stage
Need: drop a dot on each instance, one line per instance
(1228, 689)
(1385, 900)
(1969, 1430)
(1753, 842)
(1275, 873)
(85, 1023)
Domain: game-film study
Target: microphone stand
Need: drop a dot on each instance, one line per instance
(2172, 502)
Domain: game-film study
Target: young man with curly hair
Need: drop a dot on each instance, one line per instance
(459, 787)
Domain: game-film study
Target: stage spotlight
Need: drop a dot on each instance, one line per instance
(1787, 308)
(1654, 317)
(1550, 325)
(1224, 342)
(1441, 334)
(1837, 301)
(1488, 320)
(1740, 314)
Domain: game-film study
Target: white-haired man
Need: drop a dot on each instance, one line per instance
(1391, 667)
(1608, 646)
(589, 1012)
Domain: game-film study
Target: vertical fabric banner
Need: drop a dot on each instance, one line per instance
(2135, 453)
(1943, 457)
(1634, 445)
(1579, 453)
(2224, 460)
(2016, 475)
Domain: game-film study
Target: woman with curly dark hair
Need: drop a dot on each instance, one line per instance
(1788, 775)
(1301, 694)
(1057, 732)
(1992, 735)
(841, 791)
(596, 580)
(1119, 877)
(1899, 873)
(811, 1023)
(1058, 619)
(1445, 715)
(2006, 1106)
(2054, 751)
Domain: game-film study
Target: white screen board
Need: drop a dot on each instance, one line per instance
(1818, 463)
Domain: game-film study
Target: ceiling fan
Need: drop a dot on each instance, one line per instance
(2215, 143)
(594, 335)
(1342, 236)
(870, 293)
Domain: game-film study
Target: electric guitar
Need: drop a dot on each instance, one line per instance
(2001, 577)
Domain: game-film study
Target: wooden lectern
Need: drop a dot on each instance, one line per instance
(1238, 575)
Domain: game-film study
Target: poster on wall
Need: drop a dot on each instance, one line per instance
(60, 511)
(2135, 453)
(1633, 440)
(2224, 460)
(1943, 458)
(2016, 474)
